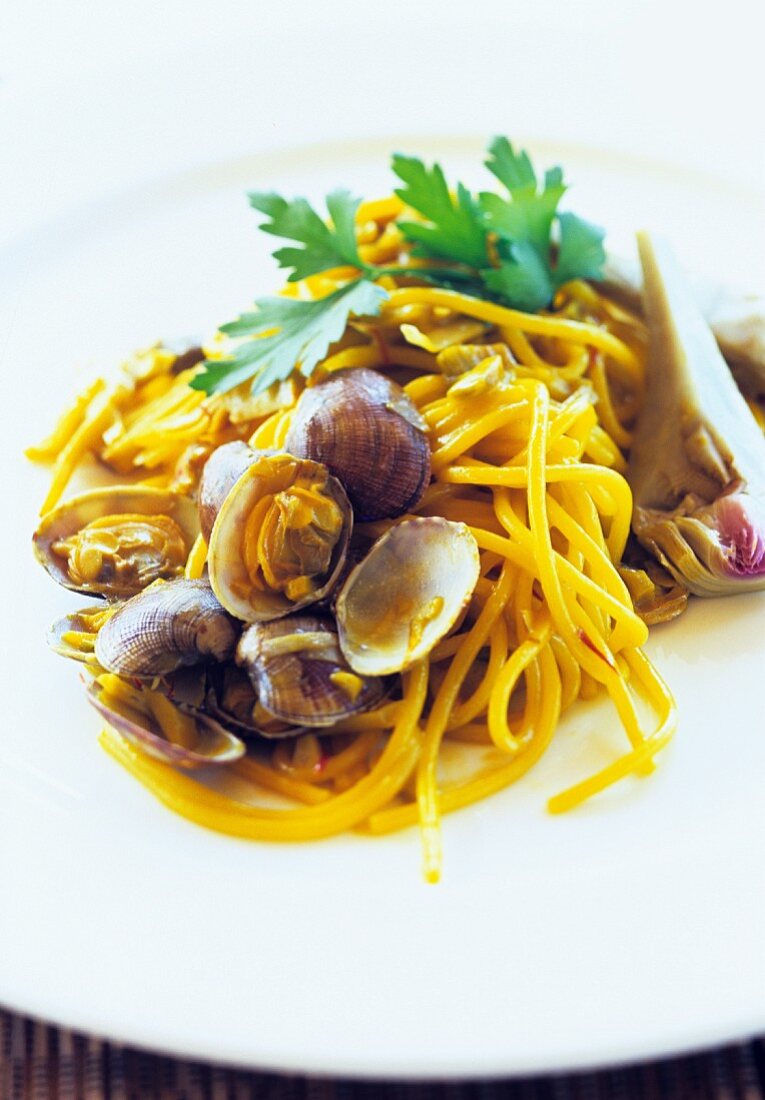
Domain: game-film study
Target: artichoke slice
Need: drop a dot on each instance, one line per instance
(697, 467)
(737, 319)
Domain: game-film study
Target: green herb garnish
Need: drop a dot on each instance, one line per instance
(528, 273)
(291, 335)
(454, 228)
(513, 248)
(325, 244)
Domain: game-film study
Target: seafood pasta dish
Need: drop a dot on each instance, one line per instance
(437, 490)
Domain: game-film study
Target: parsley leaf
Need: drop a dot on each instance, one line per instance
(523, 277)
(324, 246)
(288, 334)
(454, 229)
(580, 250)
(512, 169)
(529, 213)
(529, 273)
(513, 247)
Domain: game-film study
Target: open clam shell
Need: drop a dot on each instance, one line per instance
(115, 541)
(299, 674)
(170, 625)
(221, 472)
(280, 538)
(231, 699)
(210, 743)
(369, 434)
(74, 635)
(406, 594)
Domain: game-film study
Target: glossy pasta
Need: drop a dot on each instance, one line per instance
(528, 418)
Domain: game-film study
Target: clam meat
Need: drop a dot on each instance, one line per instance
(279, 539)
(74, 635)
(114, 542)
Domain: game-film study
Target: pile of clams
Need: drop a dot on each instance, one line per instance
(297, 624)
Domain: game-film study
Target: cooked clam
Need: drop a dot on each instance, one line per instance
(170, 625)
(115, 541)
(159, 727)
(299, 674)
(231, 699)
(406, 594)
(222, 470)
(369, 434)
(280, 538)
(74, 635)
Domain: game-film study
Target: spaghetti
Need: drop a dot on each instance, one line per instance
(528, 418)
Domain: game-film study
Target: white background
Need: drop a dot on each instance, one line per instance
(96, 95)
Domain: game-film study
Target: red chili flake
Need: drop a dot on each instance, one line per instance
(591, 645)
(137, 684)
(321, 763)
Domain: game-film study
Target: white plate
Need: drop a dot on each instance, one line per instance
(630, 928)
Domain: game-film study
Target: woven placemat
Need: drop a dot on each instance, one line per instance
(38, 1062)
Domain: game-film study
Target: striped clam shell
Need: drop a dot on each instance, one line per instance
(214, 744)
(299, 674)
(221, 472)
(168, 626)
(369, 435)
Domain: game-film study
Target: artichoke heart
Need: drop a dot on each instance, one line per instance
(697, 467)
(280, 538)
(737, 319)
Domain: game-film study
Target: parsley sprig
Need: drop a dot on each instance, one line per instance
(514, 247)
(290, 335)
(326, 244)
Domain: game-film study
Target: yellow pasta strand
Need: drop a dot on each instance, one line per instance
(217, 811)
(528, 416)
(67, 425)
(574, 331)
(427, 796)
(85, 439)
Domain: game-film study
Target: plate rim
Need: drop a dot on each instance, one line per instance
(686, 1038)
